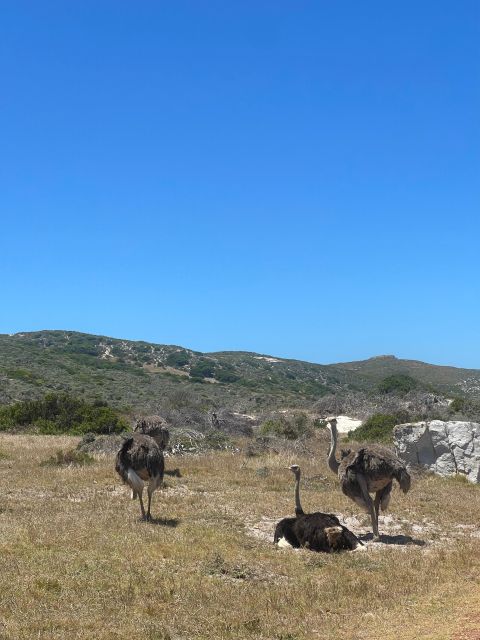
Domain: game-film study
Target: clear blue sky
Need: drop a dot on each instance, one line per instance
(296, 178)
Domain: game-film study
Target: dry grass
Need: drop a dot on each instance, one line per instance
(78, 563)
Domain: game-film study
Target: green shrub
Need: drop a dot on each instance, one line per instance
(399, 384)
(204, 368)
(224, 375)
(24, 375)
(378, 428)
(177, 359)
(458, 405)
(62, 413)
(290, 428)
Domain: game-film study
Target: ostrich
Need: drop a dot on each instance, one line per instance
(315, 531)
(156, 428)
(140, 460)
(371, 469)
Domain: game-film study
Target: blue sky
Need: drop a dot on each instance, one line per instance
(296, 178)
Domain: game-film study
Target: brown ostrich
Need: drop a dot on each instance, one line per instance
(140, 459)
(370, 469)
(155, 427)
(315, 531)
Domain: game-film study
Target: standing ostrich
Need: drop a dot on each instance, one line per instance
(156, 428)
(140, 460)
(371, 469)
(316, 531)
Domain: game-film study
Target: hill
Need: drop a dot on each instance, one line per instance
(141, 376)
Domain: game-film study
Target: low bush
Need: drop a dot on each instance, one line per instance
(378, 428)
(398, 384)
(204, 368)
(288, 427)
(62, 413)
(177, 359)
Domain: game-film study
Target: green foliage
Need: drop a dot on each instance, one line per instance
(24, 375)
(204, 368)
(178, 359)
(62, 413)
(378, 428)
(89, 360)
(226, 376)
(458, 405)
(66, 458)
(290, 428)
(399, 384)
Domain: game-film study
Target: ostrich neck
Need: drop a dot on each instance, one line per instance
(332, 460)
(298, 506)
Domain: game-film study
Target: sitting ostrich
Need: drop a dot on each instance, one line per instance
(140, 460)
(370, 469)
(315, 531)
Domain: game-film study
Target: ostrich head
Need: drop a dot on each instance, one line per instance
(295, 469)
(333, 534)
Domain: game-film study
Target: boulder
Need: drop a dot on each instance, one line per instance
(446, 448)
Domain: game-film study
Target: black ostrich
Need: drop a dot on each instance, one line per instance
(316, 531)
(140, 460)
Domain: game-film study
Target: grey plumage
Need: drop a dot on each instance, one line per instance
(370, 469)
(155, 427)
(138, 461)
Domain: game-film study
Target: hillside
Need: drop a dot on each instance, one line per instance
(444, 378)
(141, 376)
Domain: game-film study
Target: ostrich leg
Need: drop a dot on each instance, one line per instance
(149, 516)
(369, 504)
(376, 505)
(139, 494)
(382, 498)
(154, 483)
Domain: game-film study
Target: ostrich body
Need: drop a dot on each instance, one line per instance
(140, 460)
(316, 531)
(371, 469)
(156, 428)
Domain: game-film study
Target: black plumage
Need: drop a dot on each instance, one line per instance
(316, 531)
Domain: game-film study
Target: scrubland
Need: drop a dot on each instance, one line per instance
(76, 561)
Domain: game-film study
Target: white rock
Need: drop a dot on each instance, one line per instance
(445, 448)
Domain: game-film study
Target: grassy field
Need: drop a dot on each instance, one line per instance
(76, 562)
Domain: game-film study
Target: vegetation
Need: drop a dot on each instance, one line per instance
(290, 427)
(226, 376)
(400, 384)
(62, 413)
(378, 428)
(178, 359)
(204, 368)
(458, 405)
(125, 373)
(63, 458)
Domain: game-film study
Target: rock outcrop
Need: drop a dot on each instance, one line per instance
(446, 448)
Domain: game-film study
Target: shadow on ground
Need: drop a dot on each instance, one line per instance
(400, 540)
(163, 522)
(175, 473)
